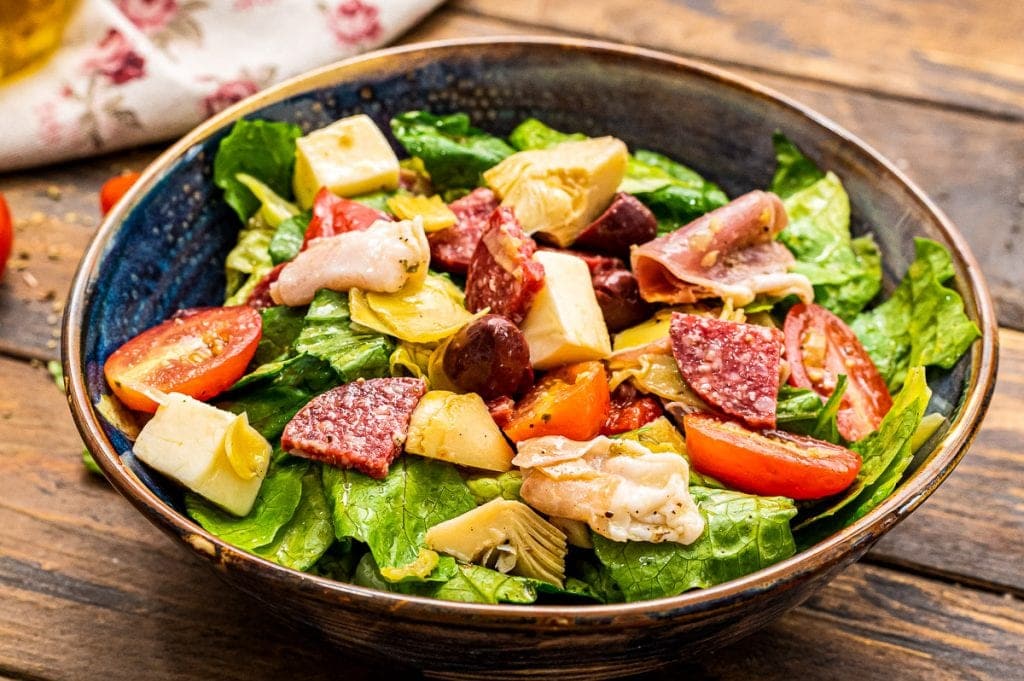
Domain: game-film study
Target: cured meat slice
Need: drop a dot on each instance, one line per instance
(624, 223)
(360, 425)
(333, 215)
(503, 274)
(729, 253)
(260, 297)
(732, 366)
(452, 249)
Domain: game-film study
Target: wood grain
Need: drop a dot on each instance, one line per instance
(966, 55)
(90, 590)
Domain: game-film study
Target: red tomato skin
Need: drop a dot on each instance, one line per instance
(572, 401)
(867, 399)
(225, 338)
(114, 188)
(630, 411)
(783, 464)
(6, 234)
(334, 215)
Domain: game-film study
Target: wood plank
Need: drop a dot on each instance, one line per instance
(966, 54)
(88, 589)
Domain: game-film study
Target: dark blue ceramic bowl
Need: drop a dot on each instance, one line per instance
(163, 249)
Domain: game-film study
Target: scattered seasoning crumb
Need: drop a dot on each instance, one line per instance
(71, 217)
(49, 296)
(51, 344)
(37, 217)
(30, 279)
(53, 192)
(52, 319)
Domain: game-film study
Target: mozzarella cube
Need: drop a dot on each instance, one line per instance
(565, 323)
(185, 441)
(349, 157)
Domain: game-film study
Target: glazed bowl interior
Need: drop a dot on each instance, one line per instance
(163, 248)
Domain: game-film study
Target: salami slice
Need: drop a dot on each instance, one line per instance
(360, 425)
(334, 215)
(503, 275)
(624, 223)
(734, 367)
(260, 297)
(452, 249)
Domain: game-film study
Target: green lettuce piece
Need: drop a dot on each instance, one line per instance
(301, 542)
(469, 584)
(247, 262)
(532, 134)
(600, 585)
(264, 150)
(922, 324)
(794, 170)
(393, 515)
(378, 200)
(281, 326)
(287, 240)
(453, 152)
(274, 209)
(674, 193)
(885, 455)
(327, 334)
(802, 411)
(846, 272)
(744, 533)
(273, 393)
(90, 463)
(276, 503)
(340, 560)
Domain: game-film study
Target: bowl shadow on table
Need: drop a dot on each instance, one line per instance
(166, 251)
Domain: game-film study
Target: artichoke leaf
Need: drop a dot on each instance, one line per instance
(425, 312)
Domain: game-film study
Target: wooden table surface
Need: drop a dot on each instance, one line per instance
(90, 590)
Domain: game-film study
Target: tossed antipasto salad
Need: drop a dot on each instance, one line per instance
(534, 369)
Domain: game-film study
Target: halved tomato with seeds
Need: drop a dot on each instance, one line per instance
(199, 352)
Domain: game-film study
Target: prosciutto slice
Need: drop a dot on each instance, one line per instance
(729, 253)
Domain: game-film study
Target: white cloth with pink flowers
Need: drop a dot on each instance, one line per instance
(136, 71)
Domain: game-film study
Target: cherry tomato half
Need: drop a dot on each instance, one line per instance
(114, 188)
(630, 410)
(6, 234)
(572, 401)
(199, 352)
(820, 347)
(333, 215)
(769, 463)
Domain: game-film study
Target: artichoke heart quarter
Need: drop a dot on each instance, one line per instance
(504, 535)
(560, 190)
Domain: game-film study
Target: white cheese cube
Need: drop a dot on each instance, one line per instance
(349, 157)
(565, 323)
(185, 441)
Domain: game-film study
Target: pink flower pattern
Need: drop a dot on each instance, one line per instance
(149, 16)
(230, 91)
(353, 22)
(115, 59)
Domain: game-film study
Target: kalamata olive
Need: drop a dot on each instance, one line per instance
(489, 356)
(619, 297)
(625, 222)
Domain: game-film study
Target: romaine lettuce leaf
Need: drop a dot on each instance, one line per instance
(674, 193)
(794, 170)
(301, 542)
(532, 134)
(275, 505)
(247, 262)
(327, 334)
(744, 534)
(453, 152)
(263, 149)
(274, 209)
(392, 515)
(281, 326)
(885, 455)
(287, 240)
(469, 584)
(846, 272)
(922, 324)
(802, 411)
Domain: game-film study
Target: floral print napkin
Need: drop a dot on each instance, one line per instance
(137, 71)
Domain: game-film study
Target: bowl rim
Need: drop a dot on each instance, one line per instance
(827, 553)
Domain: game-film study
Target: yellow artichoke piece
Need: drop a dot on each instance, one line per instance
(418, 313)
(410, 359)
(504, 535)
(273, 208)
(458, 429)
(560, 190)
(247, 450)
(435, 213)
(426, 561)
